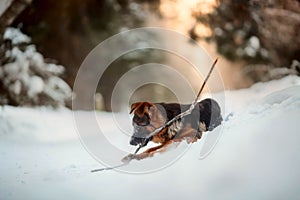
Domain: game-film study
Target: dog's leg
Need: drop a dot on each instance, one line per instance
(148, 153)
(158, 149)
(189, 134)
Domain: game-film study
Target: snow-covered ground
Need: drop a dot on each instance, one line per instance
(256, 157)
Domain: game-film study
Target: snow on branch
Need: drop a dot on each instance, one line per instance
(25, 77)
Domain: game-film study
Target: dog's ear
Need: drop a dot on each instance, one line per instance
(140, 107)
(135, 106)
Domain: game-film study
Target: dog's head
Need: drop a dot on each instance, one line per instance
(147, 117)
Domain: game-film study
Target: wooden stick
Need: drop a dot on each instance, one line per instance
(109, 168)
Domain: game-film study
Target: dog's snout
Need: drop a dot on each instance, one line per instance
(136, 140)
(137, 128)
(133, 141)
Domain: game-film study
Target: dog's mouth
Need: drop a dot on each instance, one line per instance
(139, 136)
(136, 140)
(139, 140)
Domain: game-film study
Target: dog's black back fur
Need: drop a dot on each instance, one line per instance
(210, 113)
(207, 110)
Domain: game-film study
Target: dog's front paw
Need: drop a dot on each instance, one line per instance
(128, 158)
(131, 157)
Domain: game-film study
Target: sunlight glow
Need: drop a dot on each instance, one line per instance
(180, 14)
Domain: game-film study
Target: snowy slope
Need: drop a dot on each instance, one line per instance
(255, 158)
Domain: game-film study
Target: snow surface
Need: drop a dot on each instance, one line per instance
(257, 156)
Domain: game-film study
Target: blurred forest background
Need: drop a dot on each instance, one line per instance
(258, 41)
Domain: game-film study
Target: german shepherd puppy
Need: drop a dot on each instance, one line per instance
(149, 116)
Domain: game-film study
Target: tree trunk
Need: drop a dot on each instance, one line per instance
(12, 10)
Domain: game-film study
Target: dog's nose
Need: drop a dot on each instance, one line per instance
(134, 141)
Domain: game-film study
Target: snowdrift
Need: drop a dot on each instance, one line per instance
(256, 156)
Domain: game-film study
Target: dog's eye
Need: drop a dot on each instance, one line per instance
(141, 121)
